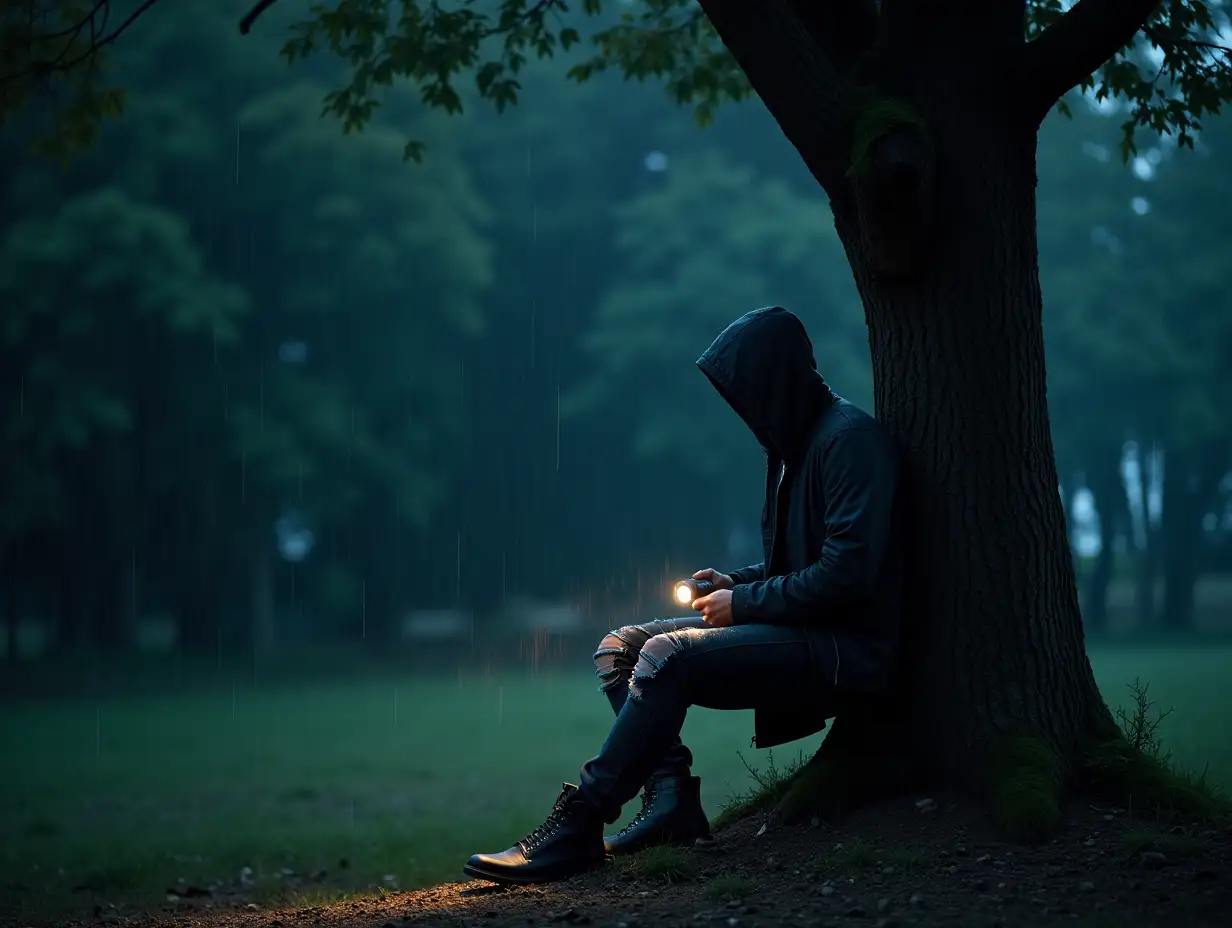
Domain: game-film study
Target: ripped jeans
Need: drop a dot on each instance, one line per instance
(651, 673)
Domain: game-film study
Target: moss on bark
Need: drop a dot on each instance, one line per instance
(1025, 780)
(878, 116)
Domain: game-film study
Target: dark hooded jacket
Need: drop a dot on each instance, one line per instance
(833, 558)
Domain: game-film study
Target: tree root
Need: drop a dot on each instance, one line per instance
(1141, 780)
(1025, 782)
(861, 760)
(867, 757)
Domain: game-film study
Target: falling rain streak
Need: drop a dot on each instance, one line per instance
(133, 586)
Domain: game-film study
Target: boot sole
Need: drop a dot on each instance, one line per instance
(512, 879)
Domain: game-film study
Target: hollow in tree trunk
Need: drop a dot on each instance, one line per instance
(920, 121)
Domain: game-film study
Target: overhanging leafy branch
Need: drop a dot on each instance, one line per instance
(1106, 46)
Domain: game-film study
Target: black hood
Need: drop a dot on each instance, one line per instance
(763, 366)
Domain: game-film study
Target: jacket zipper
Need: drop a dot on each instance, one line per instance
(774, 534)
(836, 657)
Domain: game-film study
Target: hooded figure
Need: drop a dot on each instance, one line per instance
(788, 638)
(832, 556)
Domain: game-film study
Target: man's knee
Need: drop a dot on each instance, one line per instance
(659, 657)
(611, 659)
(617, 653)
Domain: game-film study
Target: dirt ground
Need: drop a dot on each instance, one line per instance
(920, 863)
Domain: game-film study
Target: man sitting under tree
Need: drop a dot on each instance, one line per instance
(816, 622)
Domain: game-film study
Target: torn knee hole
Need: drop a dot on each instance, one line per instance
(654, 658)
(613, 657)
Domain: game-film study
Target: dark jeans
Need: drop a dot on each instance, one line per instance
(652, 673)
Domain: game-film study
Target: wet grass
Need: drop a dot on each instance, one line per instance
(661, 865)
(325, 789)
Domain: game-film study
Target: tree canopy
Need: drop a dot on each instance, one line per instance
(1170, 74)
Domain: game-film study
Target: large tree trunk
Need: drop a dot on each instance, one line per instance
(959, 379)
(920, 122)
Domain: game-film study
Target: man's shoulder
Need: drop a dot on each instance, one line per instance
(845, 422)
(845, 416)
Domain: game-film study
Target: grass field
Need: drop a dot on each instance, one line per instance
(114, 800)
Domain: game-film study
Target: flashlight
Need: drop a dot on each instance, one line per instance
(689, 590)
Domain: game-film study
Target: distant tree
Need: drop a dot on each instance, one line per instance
(1138, 330)
(711, 241)
(920, 123)
(108, 305)
(336, 401)
(1172, 264)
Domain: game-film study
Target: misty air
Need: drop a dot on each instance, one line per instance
(625, 463)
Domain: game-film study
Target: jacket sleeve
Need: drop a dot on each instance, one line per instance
(748, 574)
(858, 477)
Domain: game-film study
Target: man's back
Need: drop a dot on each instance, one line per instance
(864, 631)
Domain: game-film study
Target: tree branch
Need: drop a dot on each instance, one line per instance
(41, 69)
(812, 100)
(1165, 39)
(1068, 51)
(251, 16)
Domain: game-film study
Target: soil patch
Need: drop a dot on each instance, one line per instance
(924, 863)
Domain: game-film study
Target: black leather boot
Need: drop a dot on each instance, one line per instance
(671, 814)
(568, 843)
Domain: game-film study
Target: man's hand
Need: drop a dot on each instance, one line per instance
(716, 607)
(720, 581)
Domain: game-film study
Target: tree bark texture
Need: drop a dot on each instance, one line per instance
(995, 631)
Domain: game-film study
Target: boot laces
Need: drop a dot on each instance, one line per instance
(648, 798)
(550, 826)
